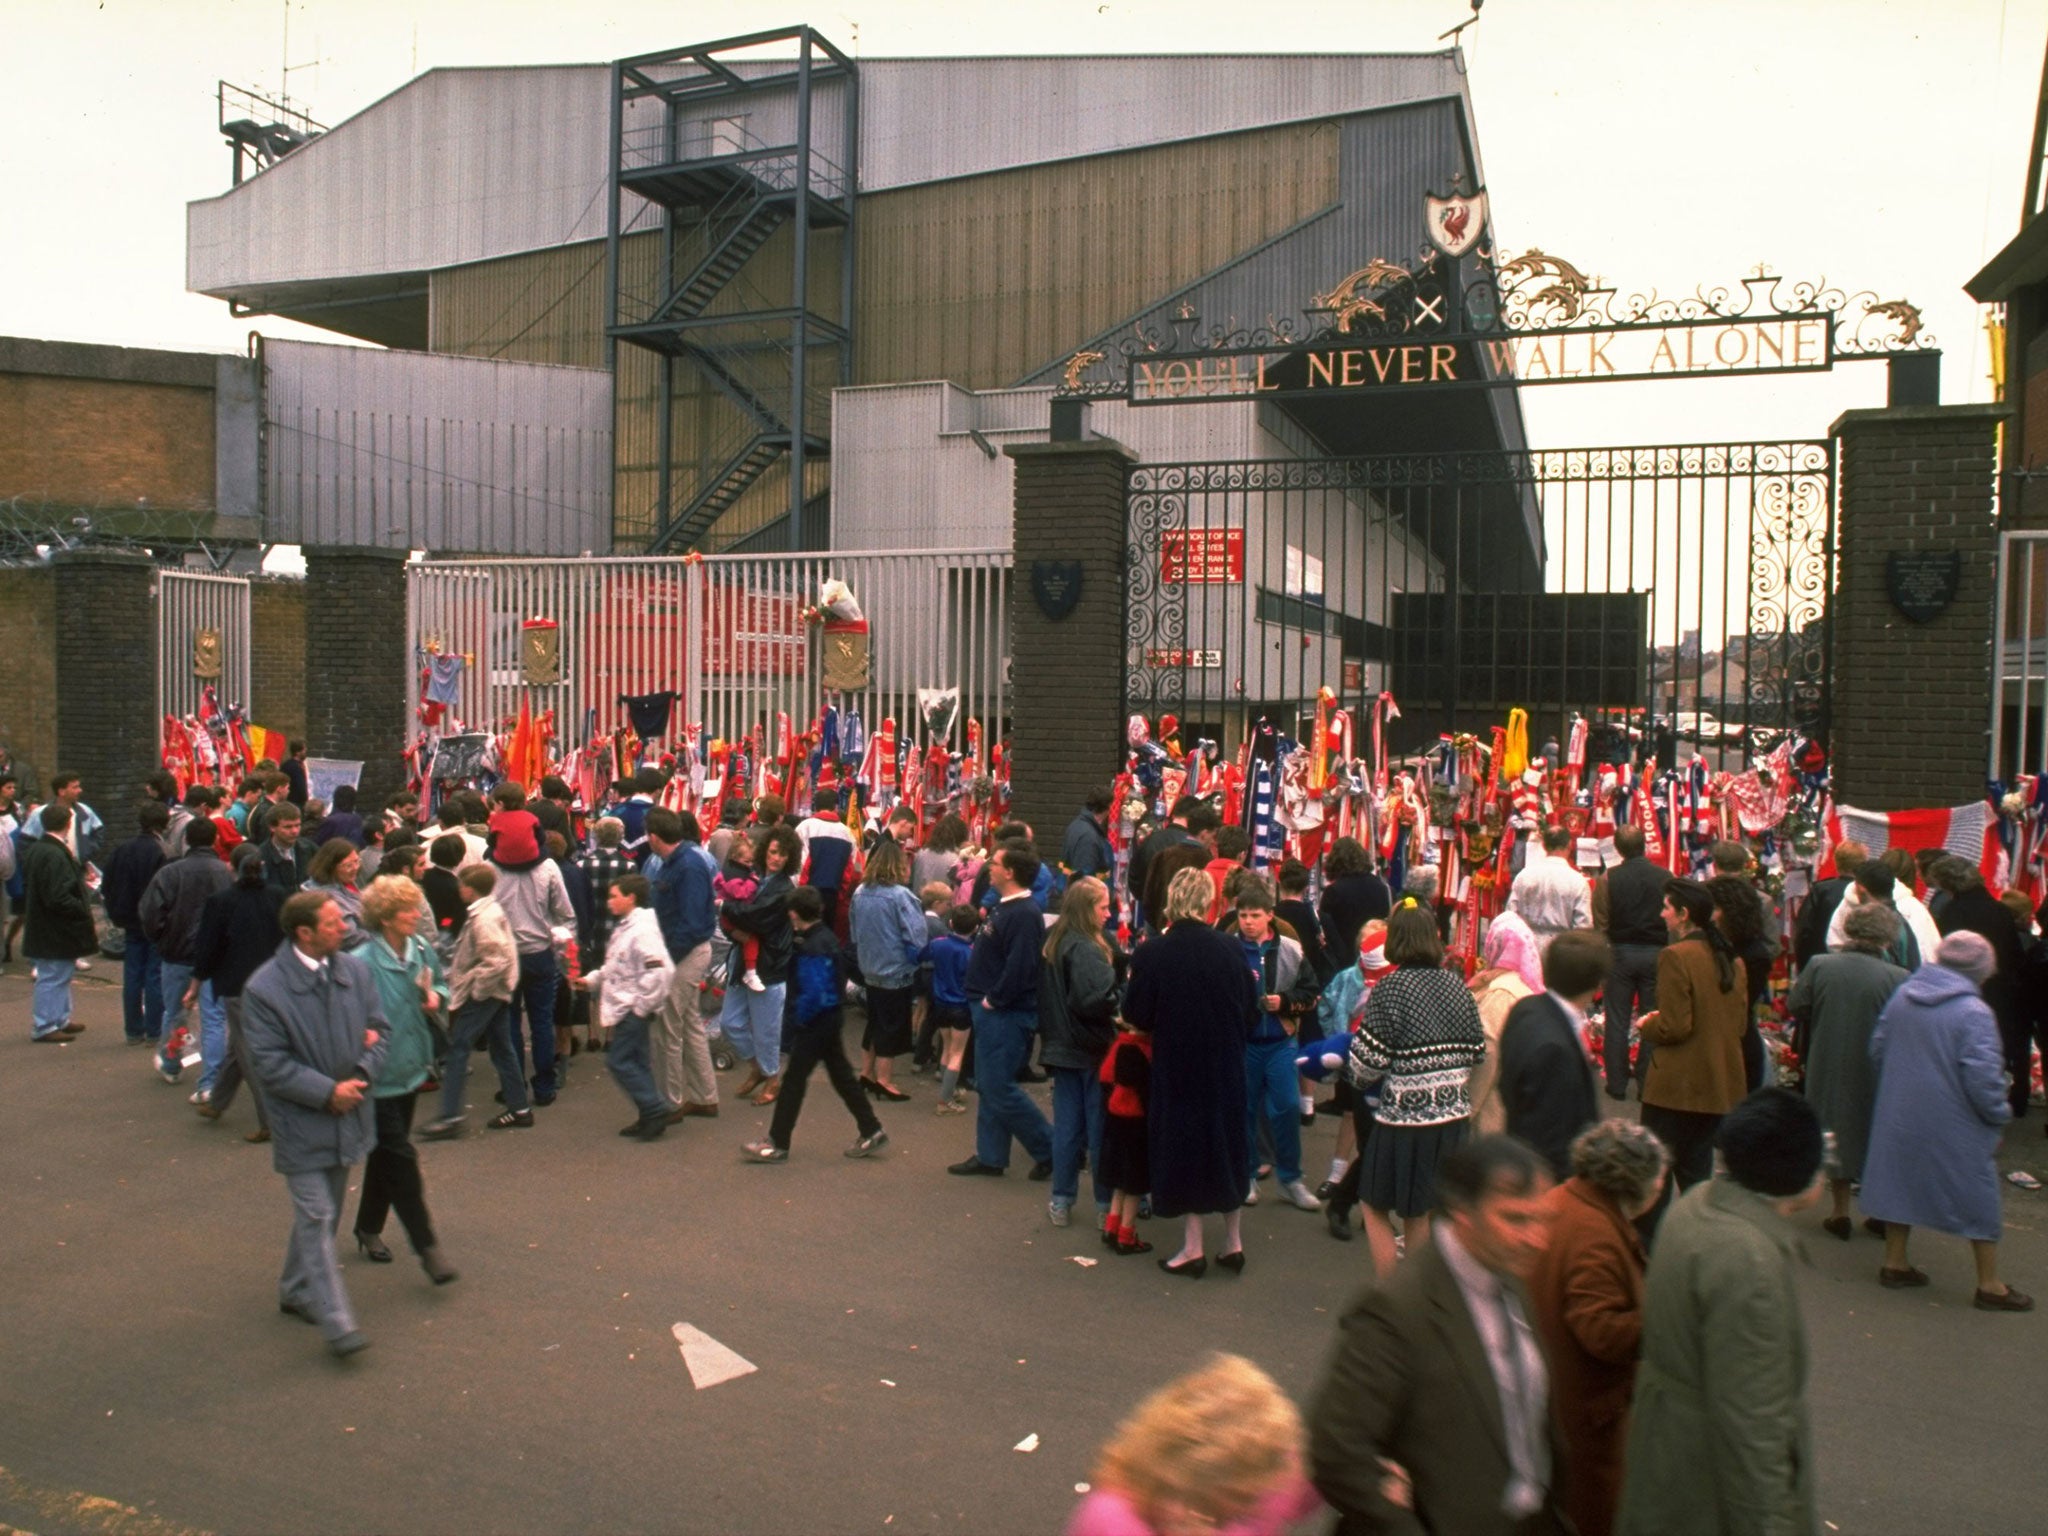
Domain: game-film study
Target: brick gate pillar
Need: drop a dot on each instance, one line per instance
(1911, 706)
(108, 731)
(1066, 688)
(357, 656)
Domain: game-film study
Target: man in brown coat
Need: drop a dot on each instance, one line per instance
(1696, 1072)
(1434, 1414)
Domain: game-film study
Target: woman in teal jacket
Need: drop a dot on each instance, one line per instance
(410, 989)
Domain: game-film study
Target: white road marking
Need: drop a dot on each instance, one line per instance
(709, 1361)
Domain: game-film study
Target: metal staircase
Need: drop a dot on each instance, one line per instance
(684, 142)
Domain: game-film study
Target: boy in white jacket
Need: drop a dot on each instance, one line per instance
(634, 981)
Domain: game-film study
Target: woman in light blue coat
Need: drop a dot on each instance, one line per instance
(889, 933)
(1941, 1105)
(412, 990)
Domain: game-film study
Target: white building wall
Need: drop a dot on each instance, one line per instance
(421, 450)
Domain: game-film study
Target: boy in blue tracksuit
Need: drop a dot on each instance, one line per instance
(1002, 985)
(811, 1025)
(948, 956)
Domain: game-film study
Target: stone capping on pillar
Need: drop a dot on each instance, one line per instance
(1066, 694)
(1911, 703)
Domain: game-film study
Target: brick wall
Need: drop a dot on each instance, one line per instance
(76, 442)
(355, 662)
(1067, 675)
(277, 654)
(107, 727)
(1912, 702)
(28, 640)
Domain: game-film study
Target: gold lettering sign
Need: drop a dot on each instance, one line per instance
(1789, 344)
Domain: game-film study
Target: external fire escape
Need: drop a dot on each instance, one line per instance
(728, 152)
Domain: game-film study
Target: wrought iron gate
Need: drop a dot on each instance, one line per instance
(1674, 594)
(202, 627)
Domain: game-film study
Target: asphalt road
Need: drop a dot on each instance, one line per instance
(909, 1329)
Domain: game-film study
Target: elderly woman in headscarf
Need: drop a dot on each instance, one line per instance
(1508, 962)
(1836, 1002)
(1940, 1107)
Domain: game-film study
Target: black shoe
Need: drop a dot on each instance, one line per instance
(1033, 1075)
(511, 1120)
(1040, 1172)
(653, 1128)
(438, 1269)
(543, 1100)
(1234, 1262)
(1194, 1268)
(974, 1166)
(1110, 1236)
(1338, 1218)
(373, 1248)
(889, 1091)
(1619, 1095)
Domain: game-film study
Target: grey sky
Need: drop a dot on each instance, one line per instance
(1657, 144)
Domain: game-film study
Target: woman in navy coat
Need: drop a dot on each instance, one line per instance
(1191, 990)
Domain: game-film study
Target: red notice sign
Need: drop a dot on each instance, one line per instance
(1198, 555)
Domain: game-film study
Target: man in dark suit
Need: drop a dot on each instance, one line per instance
(1435, 1411)
(1546, 1078)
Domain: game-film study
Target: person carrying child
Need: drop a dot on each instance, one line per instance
(737, 881)
(813, 1019)
(948, 955)
(513, 841)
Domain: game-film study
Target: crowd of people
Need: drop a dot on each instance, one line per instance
(1623, 1350)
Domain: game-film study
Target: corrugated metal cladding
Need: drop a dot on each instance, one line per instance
(466, 165)
(409, 450)
(1388, 162)
(458, 165)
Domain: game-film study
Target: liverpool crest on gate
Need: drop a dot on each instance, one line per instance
(1056, 586)
(1456, 222)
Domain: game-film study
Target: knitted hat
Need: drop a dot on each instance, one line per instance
(1967, 954)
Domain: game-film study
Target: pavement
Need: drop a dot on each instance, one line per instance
(908, 1329)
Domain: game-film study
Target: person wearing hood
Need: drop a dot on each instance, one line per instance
(1501, 983)
(1940, 1108)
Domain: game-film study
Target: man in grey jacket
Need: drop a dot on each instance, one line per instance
(169, 915)
(315, 1034)
(536, 903)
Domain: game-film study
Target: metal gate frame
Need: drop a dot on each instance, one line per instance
(2019, 656)
(645, 624)
(186, 603)
(1651, 557)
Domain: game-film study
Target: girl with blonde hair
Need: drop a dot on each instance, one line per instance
(1219, 1450)
(1077, 1006)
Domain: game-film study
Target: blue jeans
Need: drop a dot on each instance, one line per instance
(213, 1020)
(142, 999)
(1076, 1119)
(489, 1020)
(534, 998)
(53, 996)
(627, 1058)
(1271, 1086)
(1002, 1044)
(752, 1025)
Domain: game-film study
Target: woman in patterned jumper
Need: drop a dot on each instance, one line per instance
(1419, 1041)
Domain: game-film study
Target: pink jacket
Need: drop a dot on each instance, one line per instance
(1106, 1512)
